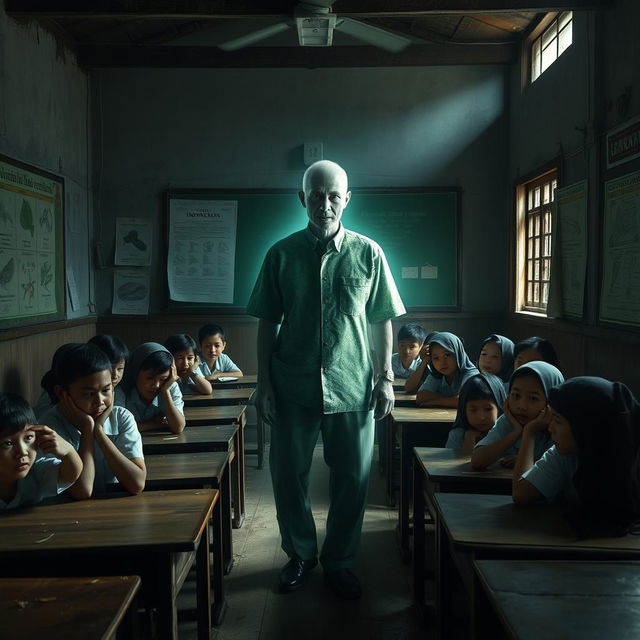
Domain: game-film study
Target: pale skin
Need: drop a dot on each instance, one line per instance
(187, 363)
(445, 363)
(481, 416)
(149, 386)
(526, 402)
(522, 491)
(211, 348)
(87, 403)
(18, 453)
(412, 383)
(490, 360)
(324, 195)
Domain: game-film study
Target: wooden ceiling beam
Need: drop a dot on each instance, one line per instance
(291, 57)
(216, 9)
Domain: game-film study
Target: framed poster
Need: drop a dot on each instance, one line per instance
(32, 282)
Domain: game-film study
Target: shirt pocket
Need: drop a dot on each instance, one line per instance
(354, 293)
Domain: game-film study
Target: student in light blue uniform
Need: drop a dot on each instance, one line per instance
(407, 359)
(118, 354)
(46, 399)
(496, 356)
(595, 463)
(214, 363)
(106, 437)
(35, 463)
(450, 367)
(183, 349)
(527, 401)
(480, 403)
(153, 395)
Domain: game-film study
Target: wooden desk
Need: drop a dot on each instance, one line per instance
(219, 397)
(527, 600)
(414, 427)
(198, 416)
(193, 471)
(472, 527)
(403, 399)
(444, 470)
(155, 535)
(244, 382)
(63, 608)
(398, 384)
(201, 439)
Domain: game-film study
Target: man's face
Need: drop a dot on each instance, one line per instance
(325, 197)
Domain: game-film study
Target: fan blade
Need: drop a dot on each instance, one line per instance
(373, 35)
(254, 36)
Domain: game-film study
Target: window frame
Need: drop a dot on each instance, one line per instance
(543, 175)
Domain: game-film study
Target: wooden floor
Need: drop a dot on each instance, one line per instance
(258, 612)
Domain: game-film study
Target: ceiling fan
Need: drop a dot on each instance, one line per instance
(315, 24)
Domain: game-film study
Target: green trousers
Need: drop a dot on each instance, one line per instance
(348, 446)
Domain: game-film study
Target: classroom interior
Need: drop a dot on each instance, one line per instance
(120, 135)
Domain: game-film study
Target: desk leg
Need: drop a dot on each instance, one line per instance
(445, 570)
(203, 587)
(406, 466)
(238, 489)
(260, 437)
(418, 540)
(227, 536)
(389, 434)
(219, 601)
(165, 601)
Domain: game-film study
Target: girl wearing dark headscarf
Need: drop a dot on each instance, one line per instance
(480, 404)
(496, 356)
(449, 369)
(594, 463)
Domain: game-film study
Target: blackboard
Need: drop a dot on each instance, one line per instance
(416, 227)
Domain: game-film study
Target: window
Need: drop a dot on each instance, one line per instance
(534, 224)
(551, 44)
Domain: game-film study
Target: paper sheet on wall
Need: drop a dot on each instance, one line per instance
(202, 250)
(131, 292)
(133, 242)
(569, 253)
(620, 294)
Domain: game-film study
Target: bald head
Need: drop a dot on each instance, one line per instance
(325, 169)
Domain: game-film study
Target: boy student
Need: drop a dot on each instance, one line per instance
(407, 360)
(25, 477)
(215, 364)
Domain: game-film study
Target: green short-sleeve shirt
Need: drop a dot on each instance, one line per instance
(324, 304)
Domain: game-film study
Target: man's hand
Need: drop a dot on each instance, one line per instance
(266, 403)
(382, 399)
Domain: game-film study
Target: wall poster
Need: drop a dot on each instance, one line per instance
(32, 279)
(620, 293)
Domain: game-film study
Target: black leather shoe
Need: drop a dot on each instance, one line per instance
(294, 574)
(343, 583)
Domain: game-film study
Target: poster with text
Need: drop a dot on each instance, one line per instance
(569, 255)
(202, 250)
(133, 242)
(620, 294)
(131, 292)
(31, 211)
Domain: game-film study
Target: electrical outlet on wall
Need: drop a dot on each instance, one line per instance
(312, 152)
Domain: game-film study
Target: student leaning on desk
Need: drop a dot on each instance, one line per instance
(35, 463)
(595, 460)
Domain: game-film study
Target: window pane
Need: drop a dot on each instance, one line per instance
(549, 56)
(529, 299)
(564, 39)
(564, 19)
(535, 60)
(545, 294)
(530, 198)
(536, 197)
(547, 222)
(536, 248)
(545, 269)
(530, 249)
(530, 226)
(536, 293)
(547, 245)
(549, 36)
(536, 270)
(545, 197)
(537, 226)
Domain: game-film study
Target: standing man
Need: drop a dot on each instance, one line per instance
(331, 292)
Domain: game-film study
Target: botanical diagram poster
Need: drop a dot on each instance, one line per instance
(620, 295)
(569, 255)
(31, 255)
(134, 238)
(202, 250)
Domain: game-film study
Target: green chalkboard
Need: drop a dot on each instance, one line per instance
(417, 228)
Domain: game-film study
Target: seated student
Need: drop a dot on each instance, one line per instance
(150, 385)
(532, 349)
(449, 369)
(527, 401)
(595, 461)
(46, 399)
(410, 340)
(105, 436)
(496, 356)
(118, 354)
(27, 477)
(417, 377)
(479, 405)
(214, 363)
(183, 349)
